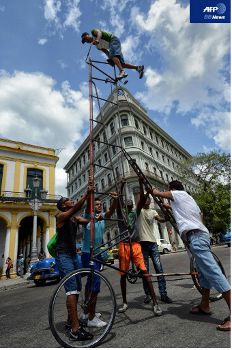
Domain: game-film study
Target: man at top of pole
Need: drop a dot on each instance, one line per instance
(111, 46)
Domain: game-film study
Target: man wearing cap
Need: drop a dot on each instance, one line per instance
(129, 249)
(111, 46)
(66, 229)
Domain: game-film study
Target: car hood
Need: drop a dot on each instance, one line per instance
(45, 263)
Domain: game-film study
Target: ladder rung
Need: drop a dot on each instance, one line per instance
(103, 99)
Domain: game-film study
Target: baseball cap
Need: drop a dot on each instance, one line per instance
(83, 37)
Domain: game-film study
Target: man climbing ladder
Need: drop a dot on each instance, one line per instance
(111, 46)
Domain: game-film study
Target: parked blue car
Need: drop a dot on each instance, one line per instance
(228, 238)
(44, 270)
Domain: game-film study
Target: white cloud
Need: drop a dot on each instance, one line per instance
(62, 15)
(130, 49)
(42, 41)
(62, 64)
(217, 126)
(192, 63)
(33, 110)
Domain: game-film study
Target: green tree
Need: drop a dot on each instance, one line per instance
(211, 172)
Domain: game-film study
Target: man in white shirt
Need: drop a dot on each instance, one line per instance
(196, 236)
(147, 227)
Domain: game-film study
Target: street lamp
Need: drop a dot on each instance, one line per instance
(35, 203)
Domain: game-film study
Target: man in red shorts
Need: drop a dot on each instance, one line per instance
(130, 249)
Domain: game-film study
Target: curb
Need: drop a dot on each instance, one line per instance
(13, 286)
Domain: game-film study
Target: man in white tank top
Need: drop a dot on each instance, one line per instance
(194, 233)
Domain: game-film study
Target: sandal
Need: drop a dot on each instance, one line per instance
(199, 311)
(223, 327)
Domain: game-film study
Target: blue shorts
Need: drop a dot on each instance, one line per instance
(210, 275)
(115, 49)
(68, 263)
(95, 288)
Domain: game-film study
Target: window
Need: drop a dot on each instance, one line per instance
(171, 178)
(168, 161)
(83, 176)
(102, 184)
(98, 142)
(136, 124)
(154, 170)
(88, 154)
(162, 143)
(104, 136)
(84, 159)
(99, 163)
(31, 174)
(96, 188)
(167, 178)
(106, 157)
(75, 185)
(117, 172)
(113, 150)
(76, 168)
(150, 150)
(112, 129)
(109, 179)
(142, 145)
(1, 176)
(151, 134)
(128, 141)
(144, 130)
(163, 158)
(146, 166)
(79, 182)
(157, 154)
(161, 174)
(80, 164)
(157, 139)
(124, 120)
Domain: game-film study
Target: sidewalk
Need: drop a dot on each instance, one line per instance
(12, 283)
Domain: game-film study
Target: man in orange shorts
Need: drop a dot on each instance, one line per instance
(130, 249)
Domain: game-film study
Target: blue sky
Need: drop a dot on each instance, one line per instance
(43, 76)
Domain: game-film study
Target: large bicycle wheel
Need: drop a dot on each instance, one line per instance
(214, 295)
(106, 306)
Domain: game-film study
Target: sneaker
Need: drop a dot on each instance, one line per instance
(80, 335)
(166, 299)
(122, 75)
(140, 70)
(157, 310)
(123, 308)
(147, 299)
(96, 322)
(84, 317)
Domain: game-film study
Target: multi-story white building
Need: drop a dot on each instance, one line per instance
(125, 122)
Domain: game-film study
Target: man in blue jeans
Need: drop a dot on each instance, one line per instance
(93, 318)
(196, 237)
(111, 46)
(147, 225)
(66, 259)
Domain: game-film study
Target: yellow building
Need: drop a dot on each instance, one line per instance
(20, 163)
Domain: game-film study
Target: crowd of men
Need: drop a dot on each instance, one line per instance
(138, 246)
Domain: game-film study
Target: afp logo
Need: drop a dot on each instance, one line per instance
(219, 9)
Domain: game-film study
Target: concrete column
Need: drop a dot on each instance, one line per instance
(46, 241)
(7, 245)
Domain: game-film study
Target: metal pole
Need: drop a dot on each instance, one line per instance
(91, 158)
(34, 252)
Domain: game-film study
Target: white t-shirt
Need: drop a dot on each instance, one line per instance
(186, 212)
(147, 225)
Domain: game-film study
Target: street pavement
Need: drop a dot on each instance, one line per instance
(24, 309)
